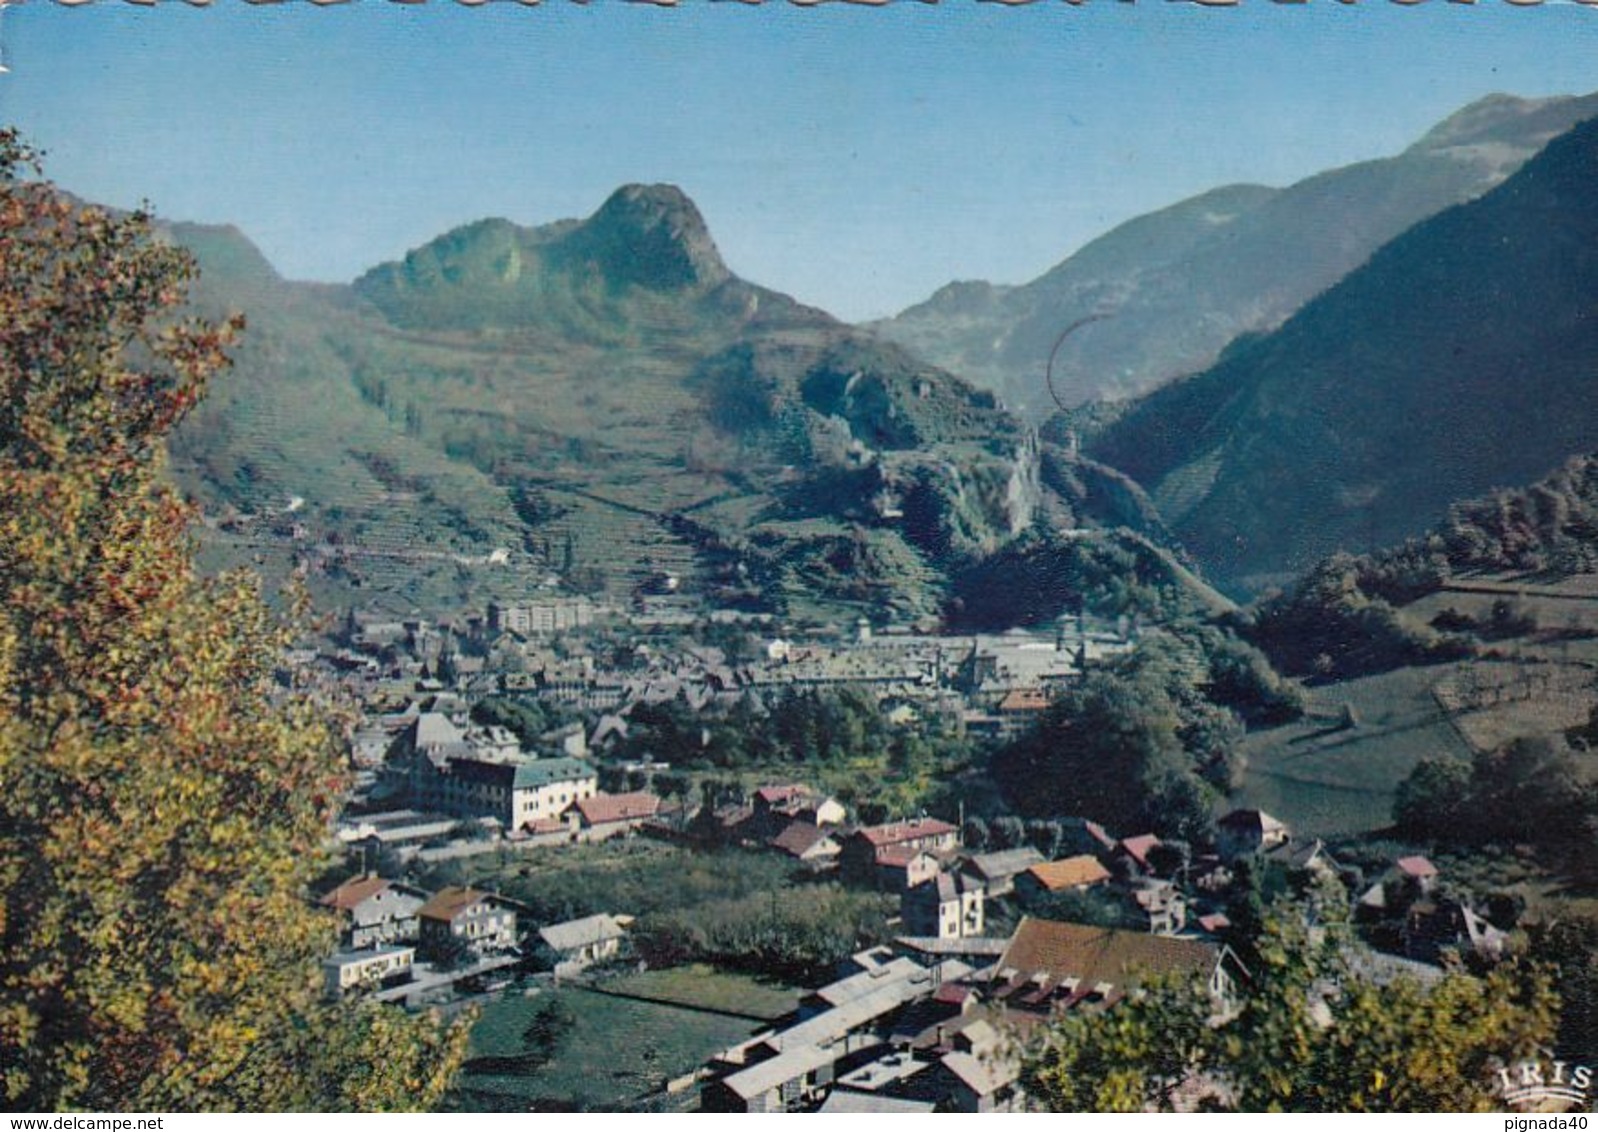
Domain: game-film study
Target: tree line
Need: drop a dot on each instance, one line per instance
(1345, 617)
(1151, 741)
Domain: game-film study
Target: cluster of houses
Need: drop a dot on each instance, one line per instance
(431, 782)
(452, 772)
(932, 1022)
(929, 1023)
(935, 1021)
(563, 651)
(945, 889)
(936, 1026)
(402, 944)
(1406, 910)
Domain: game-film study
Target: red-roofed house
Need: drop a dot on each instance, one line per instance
(900, 869)
(466, 914)
(1073, 874)
(1411, 879)
(954, 994)
(1050, 965)
(1215, 923)
(775, 806)
(1416, 869)
(787, 797)
(1097, 837)
(1132, 854)
(865, 846)
(1020, 709)
(375, 911)
(603, 816)
(545, 831)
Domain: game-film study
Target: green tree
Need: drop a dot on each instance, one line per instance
(161, 808)
(524, 717)
(1129, 1059)
(1433, 801)
(1528, 791)
(1312, 1034)
(1098, 906)
(1569, 945)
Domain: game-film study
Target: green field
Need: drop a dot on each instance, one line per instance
(1325, 781)
(706, 988)
(617, 1055)
(635, 877)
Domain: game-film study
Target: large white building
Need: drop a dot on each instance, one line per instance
(447, 773)
(541, 617)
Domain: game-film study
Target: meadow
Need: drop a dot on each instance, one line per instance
(617, 1054)
(1327, 780)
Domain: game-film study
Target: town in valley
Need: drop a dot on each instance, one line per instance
(705, 568)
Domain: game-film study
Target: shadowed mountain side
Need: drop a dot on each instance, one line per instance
(1461, 357)
(1183, 282)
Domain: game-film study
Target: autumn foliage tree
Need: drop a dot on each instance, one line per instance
(161, 805)
(1314, 1033)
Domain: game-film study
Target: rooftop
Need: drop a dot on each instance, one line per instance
(1048, 951)
(1004, 863)
(573, 934)
(1072, 872)
(897, 858)
(764, 1076)
(911, 830)
(1417, 867)
(771, 795)
(346, 896)
(1138, 847)
(882, 1072)
(847, 1100)
(602, 808)
(536, 773)
(799, 838)
(450, 903)
(983, 1075)
(366, 955)
(1024, 700)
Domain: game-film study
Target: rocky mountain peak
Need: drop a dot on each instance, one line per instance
(652, 236)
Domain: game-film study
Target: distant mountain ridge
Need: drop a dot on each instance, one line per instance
(1179, 284)
(602, 403)
(1462, 357)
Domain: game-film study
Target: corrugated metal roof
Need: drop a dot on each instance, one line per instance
(771, 1073)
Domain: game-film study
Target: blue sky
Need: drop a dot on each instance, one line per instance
(856, 157)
